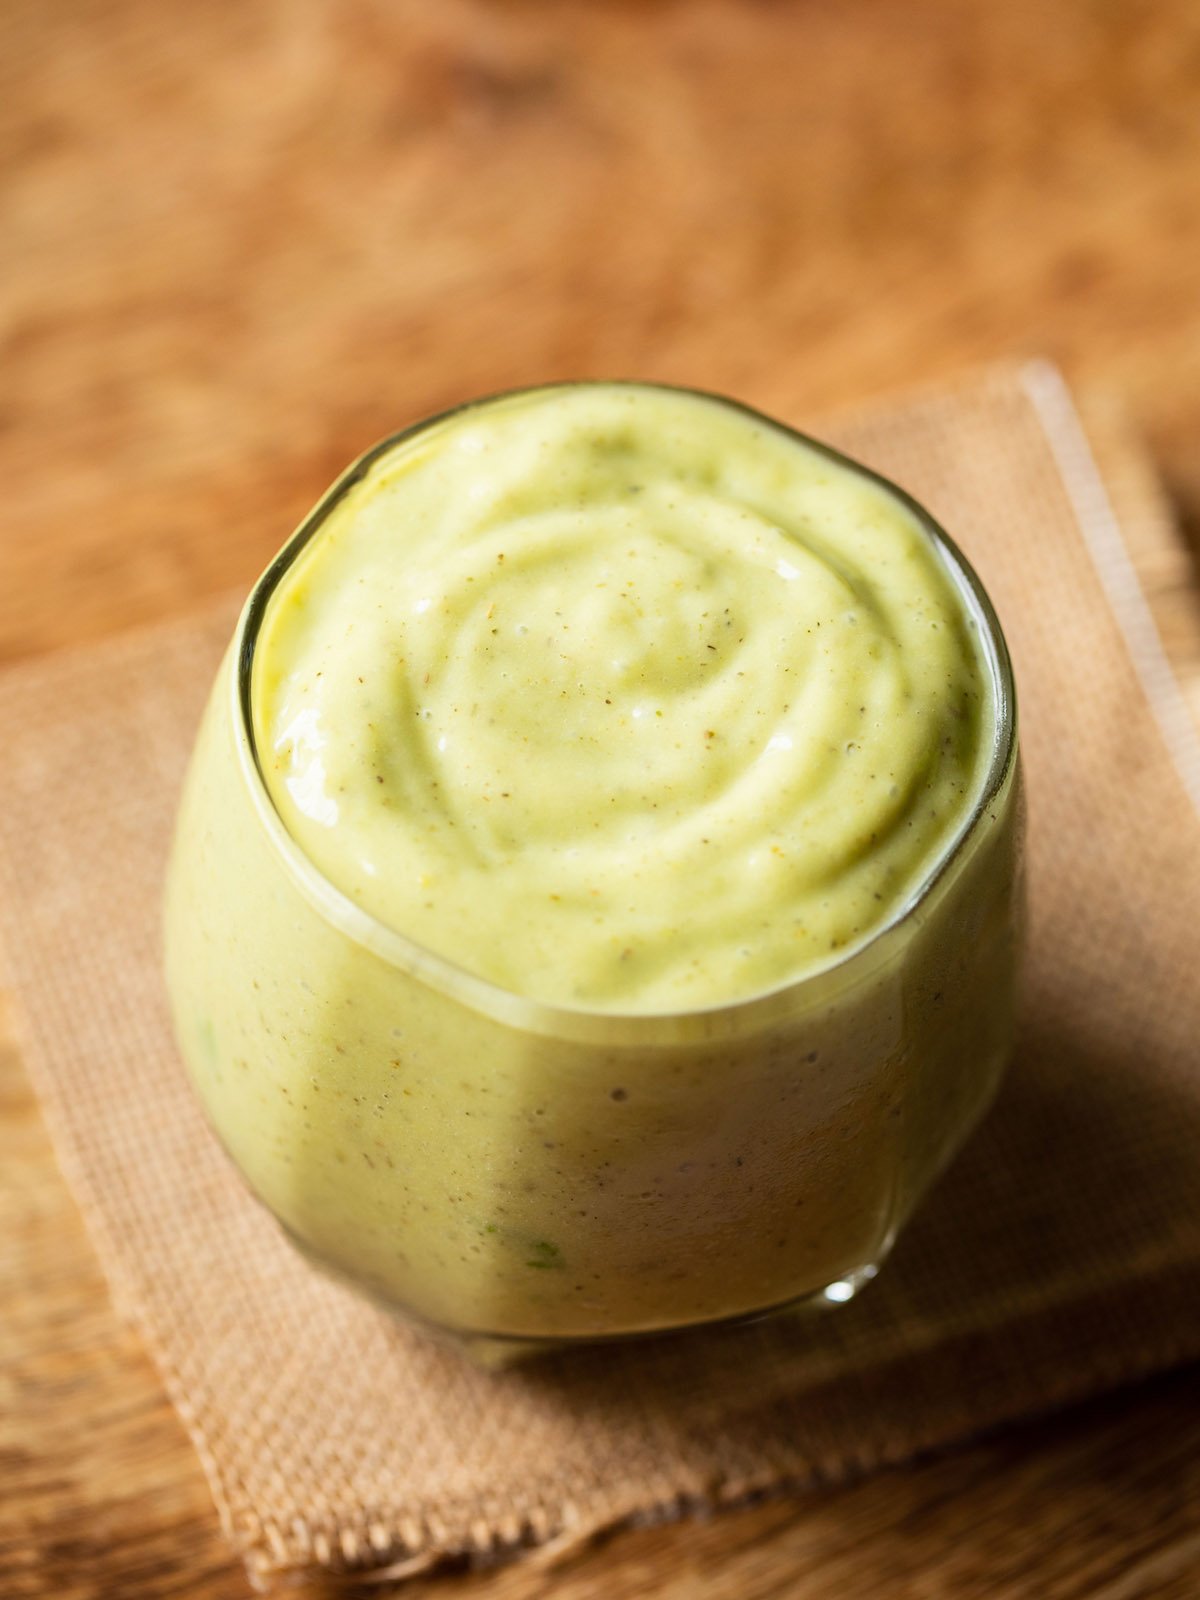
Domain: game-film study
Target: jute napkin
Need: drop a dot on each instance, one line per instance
(1060, 1254)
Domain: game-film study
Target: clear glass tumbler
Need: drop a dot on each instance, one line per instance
(522, 1175)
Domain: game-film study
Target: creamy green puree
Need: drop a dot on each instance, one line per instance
(622, 697)
(568, 733)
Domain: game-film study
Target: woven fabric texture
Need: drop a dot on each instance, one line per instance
(1060, 1254)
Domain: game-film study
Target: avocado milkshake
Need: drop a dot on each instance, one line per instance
(593, 905)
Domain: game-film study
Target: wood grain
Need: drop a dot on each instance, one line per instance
(241, 242)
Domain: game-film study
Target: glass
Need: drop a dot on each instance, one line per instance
(522, 1175)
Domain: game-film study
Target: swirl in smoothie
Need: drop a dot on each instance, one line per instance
(624, 698)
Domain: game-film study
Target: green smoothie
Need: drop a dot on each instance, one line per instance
(594, 905)
(621, 697)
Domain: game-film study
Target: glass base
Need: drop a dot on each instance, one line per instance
(495, 1352)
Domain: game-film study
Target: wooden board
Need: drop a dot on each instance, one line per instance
(241, 241)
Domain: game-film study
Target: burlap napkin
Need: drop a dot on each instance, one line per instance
(1060, 1254)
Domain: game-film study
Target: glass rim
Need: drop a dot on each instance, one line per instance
(726, 1017)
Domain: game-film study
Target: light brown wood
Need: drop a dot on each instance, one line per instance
(241, 242)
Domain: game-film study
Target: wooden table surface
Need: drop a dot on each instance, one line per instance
(244, 238)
